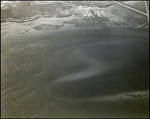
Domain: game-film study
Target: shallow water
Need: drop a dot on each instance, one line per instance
(66, 73)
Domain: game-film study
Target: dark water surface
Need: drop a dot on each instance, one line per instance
(57, 73)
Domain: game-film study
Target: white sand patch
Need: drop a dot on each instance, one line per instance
(13, 29)
(43, 2)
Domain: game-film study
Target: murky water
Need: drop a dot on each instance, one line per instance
(58, 73)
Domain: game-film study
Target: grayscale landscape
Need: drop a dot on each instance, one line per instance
(74, 59)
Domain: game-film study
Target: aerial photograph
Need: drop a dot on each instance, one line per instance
(75, 59)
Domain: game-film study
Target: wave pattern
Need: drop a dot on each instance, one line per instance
(76, 72)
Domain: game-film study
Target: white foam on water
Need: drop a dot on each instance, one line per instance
(121, 97)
